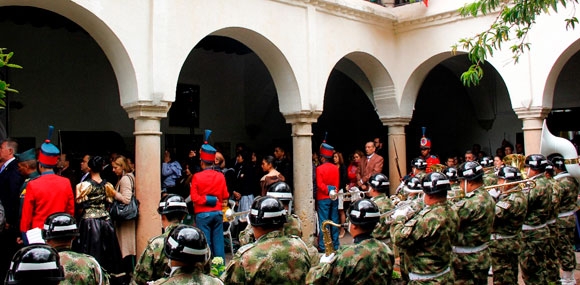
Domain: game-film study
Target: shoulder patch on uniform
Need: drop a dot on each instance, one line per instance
(470, 194)
(503, 204)
(512, 197)
(410, 223)
(460, 203)
(245, 248)
(425, 211)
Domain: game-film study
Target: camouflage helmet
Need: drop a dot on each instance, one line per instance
(60, 225)
(35, 264)
(187, 244)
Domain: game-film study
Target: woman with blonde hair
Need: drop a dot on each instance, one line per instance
(125, 229)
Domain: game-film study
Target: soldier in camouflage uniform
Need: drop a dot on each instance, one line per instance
(552, 265)
(489, 176)
(456, 193)
(273, 258)
(188, 252)
(418, 166)
(59, 231)
(366, 261)
(535, 232)
(471, 259)
(379, 186)
(426, 237)
(566, 219)
(153, 264)
(510, 211)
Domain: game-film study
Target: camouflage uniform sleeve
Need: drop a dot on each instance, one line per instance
(403, 233)
(320, 274)
(247, 235)
(145, 267)
(235, 272)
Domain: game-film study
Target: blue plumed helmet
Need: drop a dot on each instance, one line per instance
(49, 153)
(207, 153)
(326, 150)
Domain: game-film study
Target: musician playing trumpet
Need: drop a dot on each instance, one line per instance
(366, 261)
(426, 237)
(510, 211)
(378, 187)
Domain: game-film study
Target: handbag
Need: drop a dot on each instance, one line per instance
(125, 212)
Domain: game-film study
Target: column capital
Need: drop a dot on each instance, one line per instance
(303, 117)
(394, 122)
(532, 113)
(147, 109)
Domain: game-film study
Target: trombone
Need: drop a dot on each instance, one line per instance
(524, 184)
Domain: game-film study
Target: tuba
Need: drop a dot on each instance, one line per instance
(516, 160)
(551, 144)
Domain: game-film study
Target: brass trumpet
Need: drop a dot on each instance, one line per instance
(524, 184)
(335, 195)
(328, 246)
(231, 215)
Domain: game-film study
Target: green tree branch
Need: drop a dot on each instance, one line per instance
(5, 87)
(514, 21)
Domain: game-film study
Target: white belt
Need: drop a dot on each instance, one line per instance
(529, 228)
(551, 222)
(462, 249)
(500, 236)
(421, 277)
(566, 214)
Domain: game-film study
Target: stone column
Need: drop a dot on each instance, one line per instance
(147, 167)
(397, 150)
(302, 170)
(532, 121)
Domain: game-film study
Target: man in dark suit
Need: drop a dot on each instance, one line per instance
(10, 182)
(372, 164)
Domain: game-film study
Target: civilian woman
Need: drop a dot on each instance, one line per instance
(125, 229)
(339, 162)
(271, 176)
(97, 234)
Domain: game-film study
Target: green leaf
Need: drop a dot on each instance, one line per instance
(12, 65)
(3, 85)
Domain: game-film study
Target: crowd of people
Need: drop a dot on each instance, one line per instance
(450, 223)
(41, 181)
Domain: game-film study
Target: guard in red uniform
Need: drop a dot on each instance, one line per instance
(48, 193)
(327, 180)
(425, 145)
(208, 191)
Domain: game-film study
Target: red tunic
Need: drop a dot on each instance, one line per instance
(326, 174)
(208, 182)
(45, 195)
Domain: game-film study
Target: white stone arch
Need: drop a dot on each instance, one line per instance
(377, 83)
(105, 37)
(275, 61)
(554, 72)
